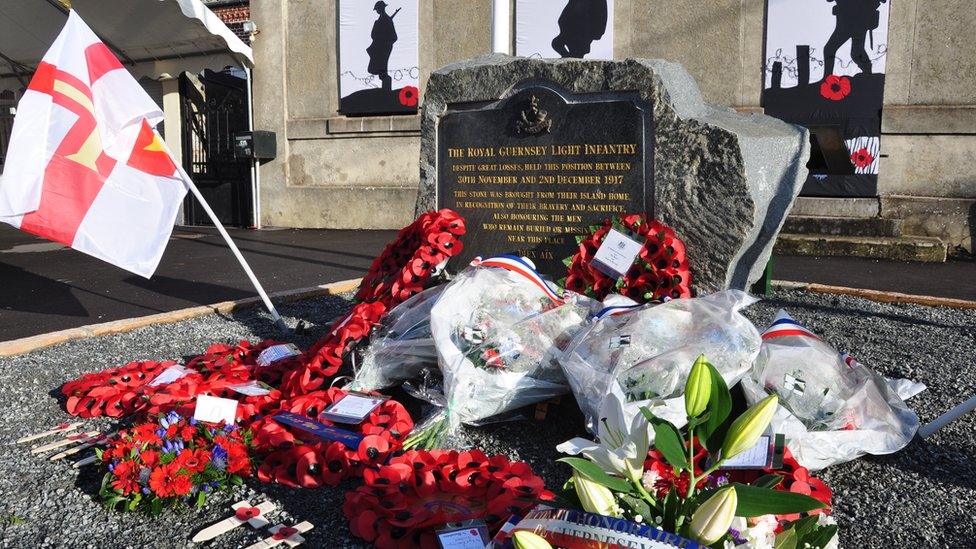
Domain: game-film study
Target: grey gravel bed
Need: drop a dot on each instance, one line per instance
(922, 496)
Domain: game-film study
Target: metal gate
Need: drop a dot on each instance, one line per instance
(7, 104)
(213, 109)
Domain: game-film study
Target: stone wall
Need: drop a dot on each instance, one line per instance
(334, 171)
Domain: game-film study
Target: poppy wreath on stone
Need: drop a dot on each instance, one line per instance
(403, 502)
(115, 392)
(409, 262)
(239, 363)
(299, 459)
(660, 269)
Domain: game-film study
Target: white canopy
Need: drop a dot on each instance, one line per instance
(150, 37)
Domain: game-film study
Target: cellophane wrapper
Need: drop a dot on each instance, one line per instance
(644, 355)
(497, 336)
(401, 346)
(832, 408)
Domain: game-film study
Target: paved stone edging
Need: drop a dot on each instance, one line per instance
(878, 295)
(27, 344)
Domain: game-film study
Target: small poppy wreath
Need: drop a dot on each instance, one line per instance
(296, 458)
(409, 96)
(660, 270)
(404, 501)
(169, 460)
(407, 264)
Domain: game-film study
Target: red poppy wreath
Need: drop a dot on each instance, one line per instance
(660, 268)
(296, 458)
(112, 393)
(408, 263)
(403, 501)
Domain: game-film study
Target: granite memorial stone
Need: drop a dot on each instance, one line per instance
(530, 151)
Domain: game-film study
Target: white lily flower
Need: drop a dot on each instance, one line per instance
(623, 444)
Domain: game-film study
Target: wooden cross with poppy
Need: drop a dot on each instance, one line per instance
(289, 535)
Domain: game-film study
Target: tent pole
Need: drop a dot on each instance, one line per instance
(279, 323)
(952, 415)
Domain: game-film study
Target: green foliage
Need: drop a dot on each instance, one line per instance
(719, 407)
(755, 501)
(593, 472)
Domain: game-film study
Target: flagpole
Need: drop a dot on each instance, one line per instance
(233, 248)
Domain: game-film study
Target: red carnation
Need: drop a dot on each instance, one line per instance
(194, 461)
(835, 87)
(163, 478)
(126, 477)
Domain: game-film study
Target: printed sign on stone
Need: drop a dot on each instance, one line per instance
(378, 57)
(824, 69)
(564, 28)
(532, 171)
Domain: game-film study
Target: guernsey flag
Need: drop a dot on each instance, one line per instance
(85, 166)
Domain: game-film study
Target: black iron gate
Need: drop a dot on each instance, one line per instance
(214, 108)
(7, 104)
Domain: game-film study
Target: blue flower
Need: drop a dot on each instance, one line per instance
(146, 490)
(219, 457)
(229, 428)
(193, 421)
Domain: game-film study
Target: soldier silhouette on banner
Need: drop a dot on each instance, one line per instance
(384, 35)
(580, 24)
(855, 19)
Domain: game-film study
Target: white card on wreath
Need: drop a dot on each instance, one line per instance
(275, 353)
(756, 457)
(251, 388)
(616, 254)
(352, 408)
(169, 375)
(215, 409)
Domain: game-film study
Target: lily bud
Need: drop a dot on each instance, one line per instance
(698, 389)
(595, 498)
(527, 540)
(713, 518)
(747, 428)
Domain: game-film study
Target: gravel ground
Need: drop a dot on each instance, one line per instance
(922, 496)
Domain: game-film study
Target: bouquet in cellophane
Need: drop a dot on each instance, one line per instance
(401, 346)
(643, 354)
(498, 328)
(832, 408)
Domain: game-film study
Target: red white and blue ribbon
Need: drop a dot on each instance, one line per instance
(520, 267)
(784, 326)
(614, 310)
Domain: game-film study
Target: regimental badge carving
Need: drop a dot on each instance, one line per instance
(535, 121)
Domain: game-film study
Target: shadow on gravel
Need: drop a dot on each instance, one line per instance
(941, 463)
(837, 310)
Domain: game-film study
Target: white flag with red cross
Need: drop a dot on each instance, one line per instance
(85, 166)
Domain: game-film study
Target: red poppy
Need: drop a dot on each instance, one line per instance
(835, 87)
(247, 513)
(284, 532)
(409, 96)
(862, 158)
